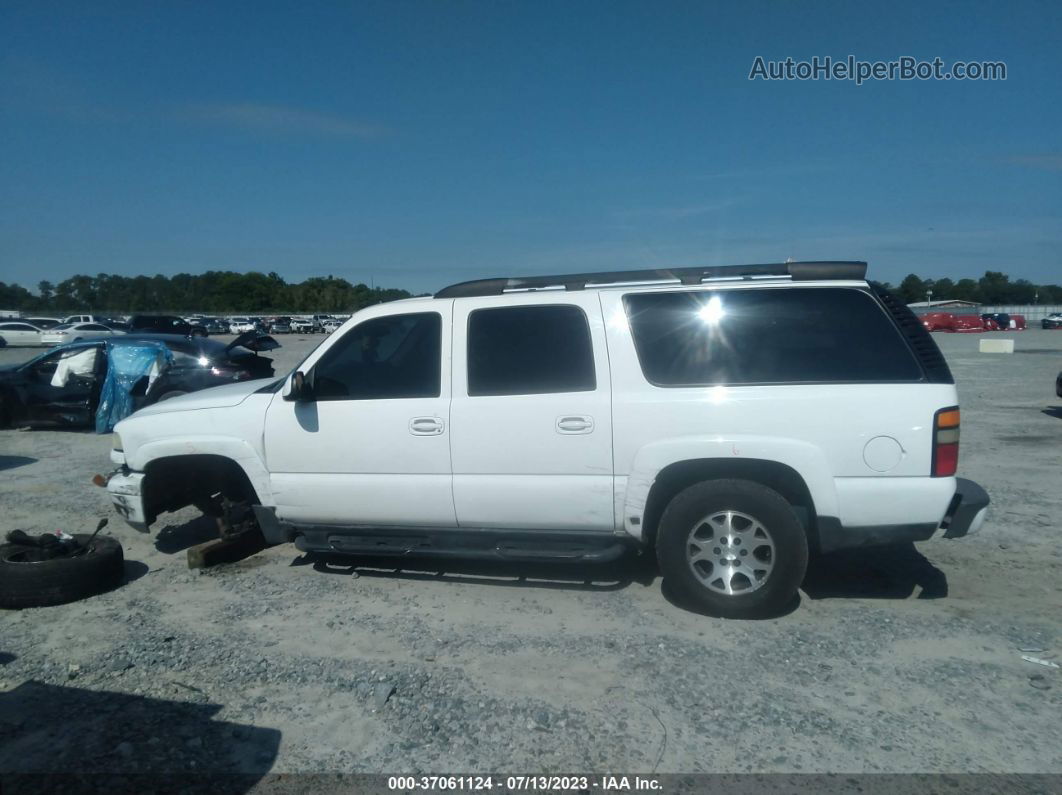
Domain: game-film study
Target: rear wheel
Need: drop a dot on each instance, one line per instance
(732, 548)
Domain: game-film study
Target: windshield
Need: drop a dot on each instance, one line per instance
(74, 346)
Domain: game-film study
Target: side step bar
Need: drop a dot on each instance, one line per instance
(516, 545)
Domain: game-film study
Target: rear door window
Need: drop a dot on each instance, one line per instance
(529, 350)
(767, 336)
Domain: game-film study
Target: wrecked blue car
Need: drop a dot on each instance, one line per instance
(99, 382)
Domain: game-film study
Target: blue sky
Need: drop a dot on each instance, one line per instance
(420, 143)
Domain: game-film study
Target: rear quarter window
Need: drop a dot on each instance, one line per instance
(767, 336)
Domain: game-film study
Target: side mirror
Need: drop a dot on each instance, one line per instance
(299, 387)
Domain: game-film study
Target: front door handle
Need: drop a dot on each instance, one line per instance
(426, 426)
(575, 424)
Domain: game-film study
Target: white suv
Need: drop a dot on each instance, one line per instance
(241, 325)
(732, 418)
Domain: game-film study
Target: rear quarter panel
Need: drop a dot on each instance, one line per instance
(820, 430)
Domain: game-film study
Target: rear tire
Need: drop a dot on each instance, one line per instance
(61, 580)
(732, 548)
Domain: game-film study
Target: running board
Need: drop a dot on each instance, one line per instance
(514, 545)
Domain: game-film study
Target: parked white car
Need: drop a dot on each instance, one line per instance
(81, 319)
(734, 419)
(240, 325)
(72, 332)
(18, 332)
(43, 323)
(330, 325)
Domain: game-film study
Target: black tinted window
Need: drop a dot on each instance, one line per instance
(767, 336)
(529, 350)
(389, 357)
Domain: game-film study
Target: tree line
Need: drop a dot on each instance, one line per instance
(258, 293)
(992, 288)
(212, 292)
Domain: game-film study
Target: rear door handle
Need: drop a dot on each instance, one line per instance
(426, 426)
(575, 424)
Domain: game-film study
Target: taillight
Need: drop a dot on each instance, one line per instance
(946, 442)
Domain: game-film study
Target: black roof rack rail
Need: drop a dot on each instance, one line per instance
(797, 271)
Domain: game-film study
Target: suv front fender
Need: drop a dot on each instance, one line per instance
(237, 450)
(807, 460)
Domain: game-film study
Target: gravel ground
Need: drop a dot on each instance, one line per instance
(895, 660)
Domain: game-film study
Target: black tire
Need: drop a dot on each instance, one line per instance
(788, 558)
(171, 394)
(61, 580)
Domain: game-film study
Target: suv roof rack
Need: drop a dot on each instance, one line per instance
(796, 271)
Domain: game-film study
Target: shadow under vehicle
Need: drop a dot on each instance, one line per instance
(63, 739)
(62, 386)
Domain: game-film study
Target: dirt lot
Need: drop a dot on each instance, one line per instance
(899, 660)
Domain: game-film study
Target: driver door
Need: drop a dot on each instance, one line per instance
(372, 444)
(65, 386)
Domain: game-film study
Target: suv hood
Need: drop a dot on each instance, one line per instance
(214, 398)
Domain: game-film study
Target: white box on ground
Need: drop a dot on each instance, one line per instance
(997, 346)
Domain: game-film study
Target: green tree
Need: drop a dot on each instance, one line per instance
(913, 288)
(47, 292)
(1022, 291)
(966, 290)
(943, 289)
(995, 288)
(14, 296)
(1050, 294)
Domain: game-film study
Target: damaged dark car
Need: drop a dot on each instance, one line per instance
(63, 386)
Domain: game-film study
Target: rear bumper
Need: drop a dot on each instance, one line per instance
(967, 510)
(964, 516)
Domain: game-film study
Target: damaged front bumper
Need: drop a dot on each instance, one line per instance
(126, 490)
(967, 510)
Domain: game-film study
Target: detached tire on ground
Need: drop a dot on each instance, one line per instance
(24, 583)
(732, 548)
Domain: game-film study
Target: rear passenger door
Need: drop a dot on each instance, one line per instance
(531, 418)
